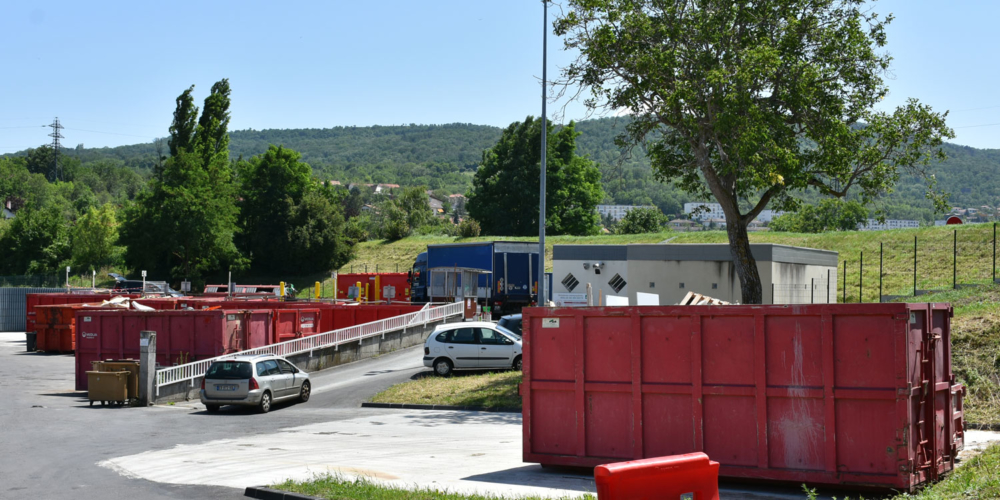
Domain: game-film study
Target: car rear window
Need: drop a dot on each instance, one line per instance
(229, 370)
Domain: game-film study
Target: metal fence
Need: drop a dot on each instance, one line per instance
(36, 281)
(191, 371)
(13, 304)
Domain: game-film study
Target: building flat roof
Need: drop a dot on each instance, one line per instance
(764, 252)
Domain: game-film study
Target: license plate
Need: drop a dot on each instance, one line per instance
(229, 387)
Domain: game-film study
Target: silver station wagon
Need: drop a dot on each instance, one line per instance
(259, 380)
(474, 345)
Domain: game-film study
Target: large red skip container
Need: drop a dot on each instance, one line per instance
(33, 300)
(852, 394)
(181, 336)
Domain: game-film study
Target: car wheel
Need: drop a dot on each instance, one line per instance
(517, 363)
(212, 408)
(306, 391)
(265, 403)
(442, 367)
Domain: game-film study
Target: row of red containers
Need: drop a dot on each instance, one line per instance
(848, 394)
(55, 324)
(184, 336)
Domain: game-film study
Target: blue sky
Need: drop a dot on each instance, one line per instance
(111, 70)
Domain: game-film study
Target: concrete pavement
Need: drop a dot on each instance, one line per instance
(56, 446)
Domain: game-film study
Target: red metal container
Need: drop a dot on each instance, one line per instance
(33, 300)
(182, 336)
(398, 280)
(850, 394)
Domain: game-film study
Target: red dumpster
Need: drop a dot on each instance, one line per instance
(33, 300)
(840, 394)
(182, 336)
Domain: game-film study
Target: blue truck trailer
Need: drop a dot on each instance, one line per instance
(510, 283)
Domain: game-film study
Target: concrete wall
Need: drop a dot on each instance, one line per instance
(322, 359)
(601, 287)
(792, 283)
(673, 270)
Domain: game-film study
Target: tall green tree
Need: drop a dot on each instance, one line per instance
(315, 238)
(184, 124)
(270, 186)
(94, 239)
(831, 214)
(415, 202)
(35, 242)
(504, 195)
(184, 224)
(752, 102)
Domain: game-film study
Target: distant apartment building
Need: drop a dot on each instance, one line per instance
(875, 225)
(709, 211)
(616, 212)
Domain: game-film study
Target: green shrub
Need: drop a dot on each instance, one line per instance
(469, 228)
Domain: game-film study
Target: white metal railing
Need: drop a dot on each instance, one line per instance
(191, 371)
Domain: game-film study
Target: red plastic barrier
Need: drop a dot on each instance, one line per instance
(678, 477)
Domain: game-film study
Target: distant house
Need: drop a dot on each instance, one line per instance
(334, 183)
(384, 188)
(437, 206)
(10, 206)
(714, 223)
(616, 212)
(875, 225)
(756, 225)
(684, 225)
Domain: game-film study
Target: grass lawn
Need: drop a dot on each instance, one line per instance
(977, 478)
(488, 390)
(339, 488)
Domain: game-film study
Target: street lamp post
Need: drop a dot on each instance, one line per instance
(541, 196)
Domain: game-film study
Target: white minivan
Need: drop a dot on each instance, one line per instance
(475, 345)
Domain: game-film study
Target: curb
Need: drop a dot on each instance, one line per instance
(405, 406)
(263, 493)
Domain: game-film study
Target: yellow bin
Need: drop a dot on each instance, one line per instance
(107, 387)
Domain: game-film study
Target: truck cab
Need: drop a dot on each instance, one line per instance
(418, 279)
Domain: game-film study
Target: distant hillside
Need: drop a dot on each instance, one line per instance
(446, 156)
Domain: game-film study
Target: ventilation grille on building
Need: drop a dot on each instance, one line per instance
(617, 283)
(570, 282)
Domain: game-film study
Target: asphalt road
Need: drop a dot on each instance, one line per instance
(52, 439)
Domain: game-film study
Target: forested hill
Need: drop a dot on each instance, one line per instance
(445, 157)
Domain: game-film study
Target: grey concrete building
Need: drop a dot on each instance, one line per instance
(790, 275)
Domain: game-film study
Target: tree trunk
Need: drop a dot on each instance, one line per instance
(743, 261)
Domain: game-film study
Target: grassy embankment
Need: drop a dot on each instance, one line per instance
(934, 255)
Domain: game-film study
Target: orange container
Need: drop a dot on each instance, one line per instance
(55, 326)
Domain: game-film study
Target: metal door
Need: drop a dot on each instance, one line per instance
(495, 350)
(463, 349)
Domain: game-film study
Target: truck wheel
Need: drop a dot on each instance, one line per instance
(442, 367)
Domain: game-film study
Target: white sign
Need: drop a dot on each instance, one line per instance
(86, 319)
(570, 299)
(144, 274)
(143, 342)
(550, 322)
(647, 299)
(614, 301)
(67, 269)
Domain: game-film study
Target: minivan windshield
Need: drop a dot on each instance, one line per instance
(229, 370)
